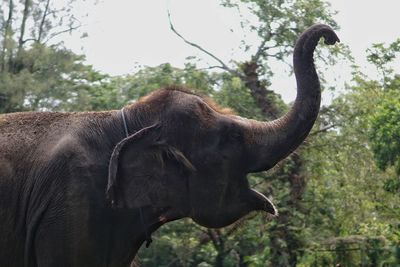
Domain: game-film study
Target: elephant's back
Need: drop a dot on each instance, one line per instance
(21, 132)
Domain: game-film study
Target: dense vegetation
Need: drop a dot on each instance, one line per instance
(338, 194)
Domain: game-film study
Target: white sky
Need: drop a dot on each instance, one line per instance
(123, 34)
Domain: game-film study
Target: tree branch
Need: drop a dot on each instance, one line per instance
(29, 40)
(262, 48)
(323, 129)
(45, 13)
(61, 32)
(223, 65)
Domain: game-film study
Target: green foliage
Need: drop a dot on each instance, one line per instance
(381, 56)
(282, 21)
(384, 128)
(235, 95)
(385, 132)
(149, 79)
(48, 78)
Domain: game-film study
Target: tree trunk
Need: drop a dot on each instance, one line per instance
(27, 6)
(262, 96)
(219, 245)
(7, 36)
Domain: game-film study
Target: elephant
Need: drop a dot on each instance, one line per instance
(89, 188)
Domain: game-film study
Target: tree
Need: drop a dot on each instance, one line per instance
(384, 130)
(31, 68)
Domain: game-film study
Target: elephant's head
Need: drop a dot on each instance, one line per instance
(189, 158)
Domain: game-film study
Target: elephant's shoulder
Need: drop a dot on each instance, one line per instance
(66, 149)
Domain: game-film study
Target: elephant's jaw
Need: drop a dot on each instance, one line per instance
(231, 212)
(255, 201)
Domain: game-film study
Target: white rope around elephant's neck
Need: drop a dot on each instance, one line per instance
(124, 122)
(148, 237)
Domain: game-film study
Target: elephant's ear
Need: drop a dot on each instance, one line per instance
(137, 166)
(137, 139)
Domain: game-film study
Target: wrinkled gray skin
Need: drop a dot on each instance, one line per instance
(72, 184)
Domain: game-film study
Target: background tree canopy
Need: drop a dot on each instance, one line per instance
(338, 194)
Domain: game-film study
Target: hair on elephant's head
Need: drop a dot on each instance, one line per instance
(186, 157)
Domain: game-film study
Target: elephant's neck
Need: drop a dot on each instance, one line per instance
(129, 232)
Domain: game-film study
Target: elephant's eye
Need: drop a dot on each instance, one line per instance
(236, 136)
(231, 137)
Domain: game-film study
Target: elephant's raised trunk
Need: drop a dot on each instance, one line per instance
(270, 142)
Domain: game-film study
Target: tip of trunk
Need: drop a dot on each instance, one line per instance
(308, 40)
